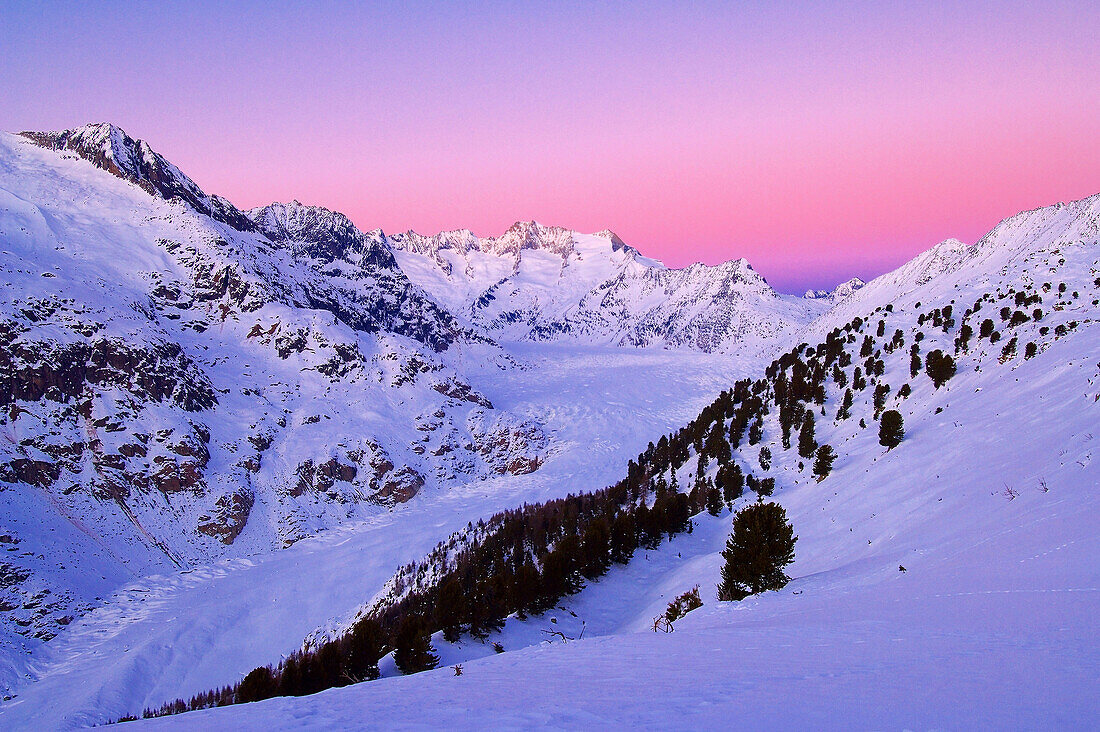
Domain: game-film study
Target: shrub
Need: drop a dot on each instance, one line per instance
(683, 605)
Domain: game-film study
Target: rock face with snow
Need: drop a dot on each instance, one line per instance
(181, 381)
(544, 283)
(111, 149)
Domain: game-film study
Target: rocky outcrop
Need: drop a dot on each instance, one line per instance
(228, 517)
(160, 371)
(461, 391)
(508, 445)
(321, 477)
(399, 486)
(108, 147)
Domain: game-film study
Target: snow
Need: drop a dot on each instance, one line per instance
(990, 502)
(991, 625)
(166, 635)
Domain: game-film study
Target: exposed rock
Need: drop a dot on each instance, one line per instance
(33, 472)
(399, 486)
(321, 477)
(29, 371)
(461, 391)
(228, 517)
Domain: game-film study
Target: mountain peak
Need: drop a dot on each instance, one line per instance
(108, 147)
(103, 144)
(319, 233)
(841, 291)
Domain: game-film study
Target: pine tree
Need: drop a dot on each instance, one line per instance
(806, 442)
(845, 410)
(882, 390)
(714, 501)
(258, 685)
(765, 488)
(891, 429)
(290, 677)
(760, 547)
(756, 431)
(940, 367)
(525, 588)
(596, 549)
(765, 458)
(823, 461)
(362, 650)
(732, 481)
(450, 609)
(413, 650)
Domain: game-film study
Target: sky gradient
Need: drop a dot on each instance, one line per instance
(819, 141)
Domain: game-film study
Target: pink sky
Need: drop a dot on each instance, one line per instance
(817, 141)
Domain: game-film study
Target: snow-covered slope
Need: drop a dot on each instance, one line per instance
(176, 633)
(1024, 249)
(178, 388)
(544, 283)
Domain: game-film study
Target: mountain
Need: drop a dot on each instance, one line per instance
(182, 382)
(224, 431)
(947, 580)
(1027, 248)
(541, 283)
(111, 149)
(838, 293)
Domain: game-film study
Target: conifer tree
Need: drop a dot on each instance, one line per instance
(450, 609)
(290, 677)
(806, 442)
(732, 482)
(258, 685)
(596, 549)
(364, 646)
(891, 429)
(765, 458)
(714, 501)
(845, 410)
(823, 461)
(756, 431)
(882, 390)
(940, 367)
(525, 587)
(760, 547)
(413, 650)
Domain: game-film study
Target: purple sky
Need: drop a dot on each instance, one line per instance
(819, 141)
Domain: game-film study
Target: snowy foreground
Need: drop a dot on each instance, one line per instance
(992, 625)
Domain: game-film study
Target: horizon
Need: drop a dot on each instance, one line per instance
(819, 144)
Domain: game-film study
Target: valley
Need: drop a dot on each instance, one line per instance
(226, 430)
